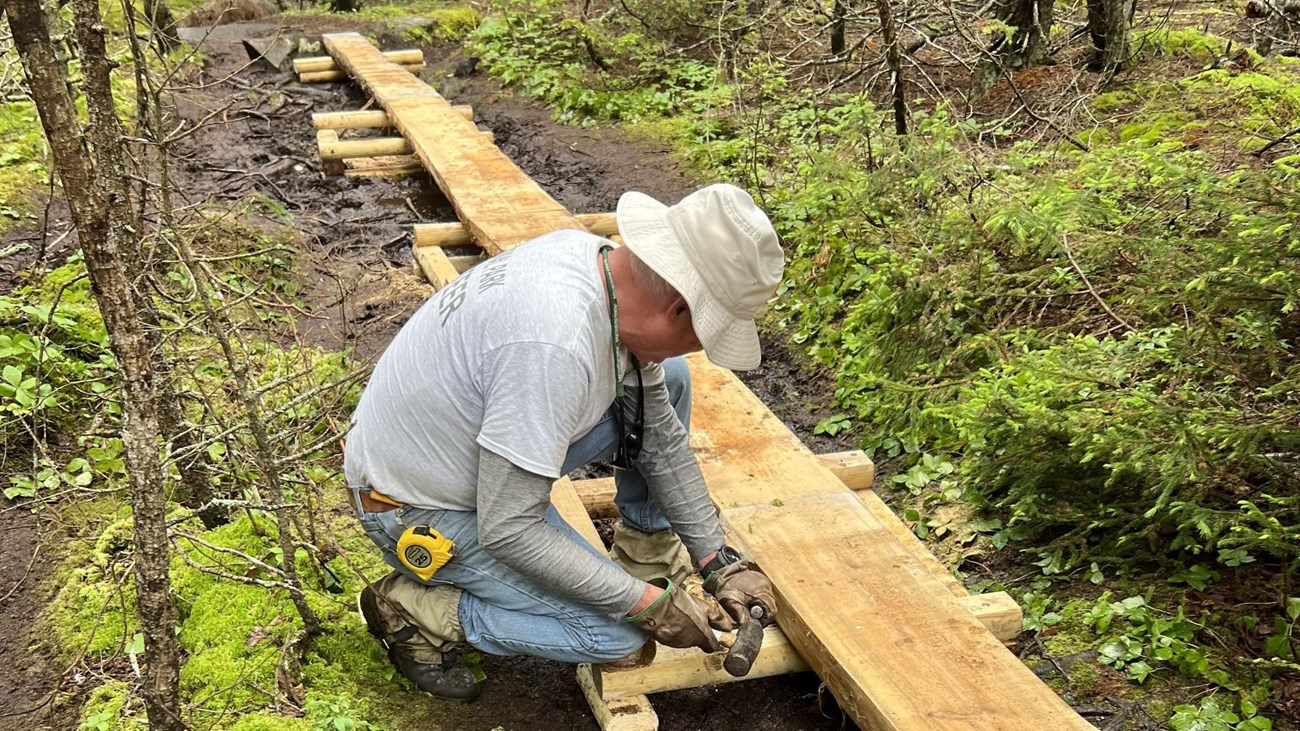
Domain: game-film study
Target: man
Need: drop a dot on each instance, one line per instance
(561, 352)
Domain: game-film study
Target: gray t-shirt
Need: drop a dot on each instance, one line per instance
(513, 357)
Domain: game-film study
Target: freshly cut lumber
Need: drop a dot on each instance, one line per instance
(320, 77)
(336, 149)
(626, 713)
(463, 263)
(363, 119)
(676, 669)
(853, 467)
(391, 167)
(437, 268)
(896, 647)
(455, 234)
(375, 147)
(325, 63)
(501, 206)
(369, 118)
(324, 138)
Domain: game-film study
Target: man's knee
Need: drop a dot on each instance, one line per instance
(617, 643)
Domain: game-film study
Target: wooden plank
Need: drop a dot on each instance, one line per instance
(325, 63)
(853, 468)
(896, 647)
(569, 506)
(676, 669)
(502, 206)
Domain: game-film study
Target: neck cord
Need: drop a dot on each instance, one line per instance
(629, 442)
(613, 323)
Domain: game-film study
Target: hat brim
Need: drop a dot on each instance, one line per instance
(729, 341)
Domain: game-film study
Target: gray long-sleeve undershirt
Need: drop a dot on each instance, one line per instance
(512, 505)
(672, 472)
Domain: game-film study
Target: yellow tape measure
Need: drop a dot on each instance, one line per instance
(424, 550)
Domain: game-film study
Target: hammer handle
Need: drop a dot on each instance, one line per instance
(749, 640)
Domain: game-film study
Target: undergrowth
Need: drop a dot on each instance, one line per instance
(587, 72)
(1095, 347)
(236, 623)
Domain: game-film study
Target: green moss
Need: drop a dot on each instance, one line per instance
(94, 606)
(1084, 676)
(262, 722)
(1072, 635)
(22, 161)
(111, 707)
(1112, 101)
(1201, 46)
(454, 24)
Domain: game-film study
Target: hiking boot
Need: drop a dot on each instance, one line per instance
(435, 668)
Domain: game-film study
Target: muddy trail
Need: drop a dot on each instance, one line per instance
(359, 286)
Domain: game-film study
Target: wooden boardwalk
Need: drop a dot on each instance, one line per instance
(897, 645)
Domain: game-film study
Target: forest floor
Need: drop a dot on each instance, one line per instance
(359, 288)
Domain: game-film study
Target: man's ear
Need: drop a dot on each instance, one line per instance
(678, 307)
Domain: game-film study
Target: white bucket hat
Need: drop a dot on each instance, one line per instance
(720, 252)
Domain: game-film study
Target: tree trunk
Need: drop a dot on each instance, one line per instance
(106, 248)
(106, 135)
(837, 26)
(1028, 44)
(894, 60)
(1108, 22)
(163, 24)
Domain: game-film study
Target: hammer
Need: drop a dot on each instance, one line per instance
(749, 638)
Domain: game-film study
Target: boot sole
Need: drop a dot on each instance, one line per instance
(361, 614)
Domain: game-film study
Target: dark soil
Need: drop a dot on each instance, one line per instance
(29, 681)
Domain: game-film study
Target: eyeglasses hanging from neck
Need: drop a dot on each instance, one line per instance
(629, 441)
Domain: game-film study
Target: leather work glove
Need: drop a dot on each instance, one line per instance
(738, 587)
(677, 619)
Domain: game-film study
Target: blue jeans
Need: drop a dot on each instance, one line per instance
(504, 612)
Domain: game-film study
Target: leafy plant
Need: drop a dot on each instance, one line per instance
(1282, 644)
(1209, 716)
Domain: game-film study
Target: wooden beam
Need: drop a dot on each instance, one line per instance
(325, 138)
(626, 713)
(374, 147)
(455, 234)
(853, 467)
(361, 167)
(368, 147)
(369, 118)
(675, 669)
(437, 268)
(463, 263)
(320, 77)
(325, 63)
